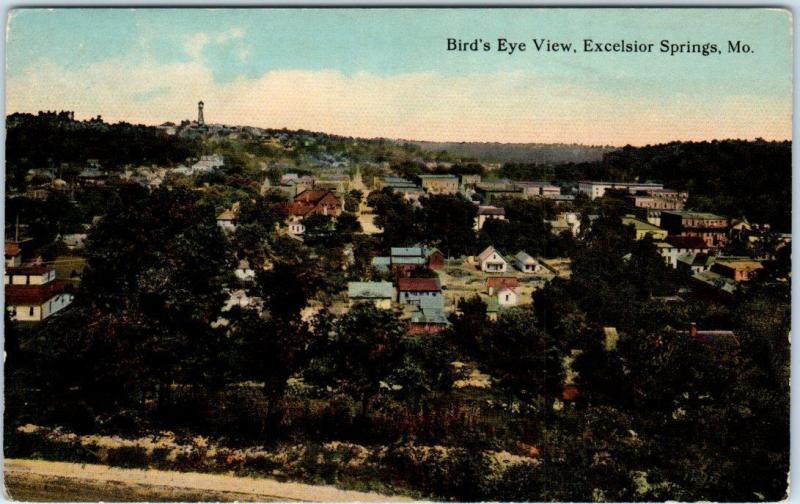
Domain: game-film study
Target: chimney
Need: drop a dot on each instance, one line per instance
(693, 330)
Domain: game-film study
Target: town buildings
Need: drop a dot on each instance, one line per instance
(712, 228)
(595, 189)
(488, 212)
(32, 292)
(643, 229)
(439, 184)
(380, 294)
(535, 189)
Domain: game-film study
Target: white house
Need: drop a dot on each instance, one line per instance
(526, 263)
(244, 272)
(33, 293)
(488, 212)
(295, 225)
(491, 261)
(229, 218)
(508, 296)
(207, 164)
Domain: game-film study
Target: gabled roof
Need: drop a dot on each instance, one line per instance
(502, 282)
(524, 258)
(418, 285)
(312, 196)
(429, 251)
(740, 265)
(370, 290)
(33, 295)
(13, 249)
(700, 259)
(33, 269)
(488, 251)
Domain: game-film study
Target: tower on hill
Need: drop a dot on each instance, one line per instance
(200, 120)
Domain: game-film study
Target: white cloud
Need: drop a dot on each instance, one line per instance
(504, 107)
(233, 33)
(195, 44)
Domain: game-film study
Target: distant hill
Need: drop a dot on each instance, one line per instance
(493, 152)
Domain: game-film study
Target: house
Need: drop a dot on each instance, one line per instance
(699, 262)
(393, 183)
(724, 336)
(712, 285)
(74, 240)
(488, 212)
(295, 225)
(404, 260)
(676, 246)
(536, 189)
(33, 293)
(595, 189)
(664, 199)
(312, 202)
(643, 229)
(526, 264)
(13, 254)
(228, 219)
(469, 181)
(427, 316)
(566, 221)
(508, 296)
(244, 272)
(712, 228)
(439, 184)
(292, 184)
(491, 261)
(338, 183)
(381, 294)
(738, 270)
(495, 284)
(490, 191)
(207, 164)
(413, 290)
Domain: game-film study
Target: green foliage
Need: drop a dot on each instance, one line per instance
(49, 139)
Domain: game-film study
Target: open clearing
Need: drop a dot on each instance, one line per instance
(38, 480)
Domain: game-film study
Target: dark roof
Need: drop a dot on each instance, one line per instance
(28, 295)
(33, 269)
(418, 284)
(687, 242)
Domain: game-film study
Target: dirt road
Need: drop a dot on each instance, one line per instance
(38, 480)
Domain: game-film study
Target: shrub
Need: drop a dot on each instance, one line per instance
(128, 456)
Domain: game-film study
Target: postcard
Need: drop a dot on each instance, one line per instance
(379, 254)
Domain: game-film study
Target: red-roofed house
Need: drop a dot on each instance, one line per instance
(495, 284)
(312, 202)
(412, 290)
(33, 293)
(13, 254)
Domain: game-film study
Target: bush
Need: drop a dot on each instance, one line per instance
(128, 456)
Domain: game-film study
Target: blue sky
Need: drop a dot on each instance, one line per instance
(243, 63)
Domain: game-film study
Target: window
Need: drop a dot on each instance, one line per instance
(30, 311)
(508, 297)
